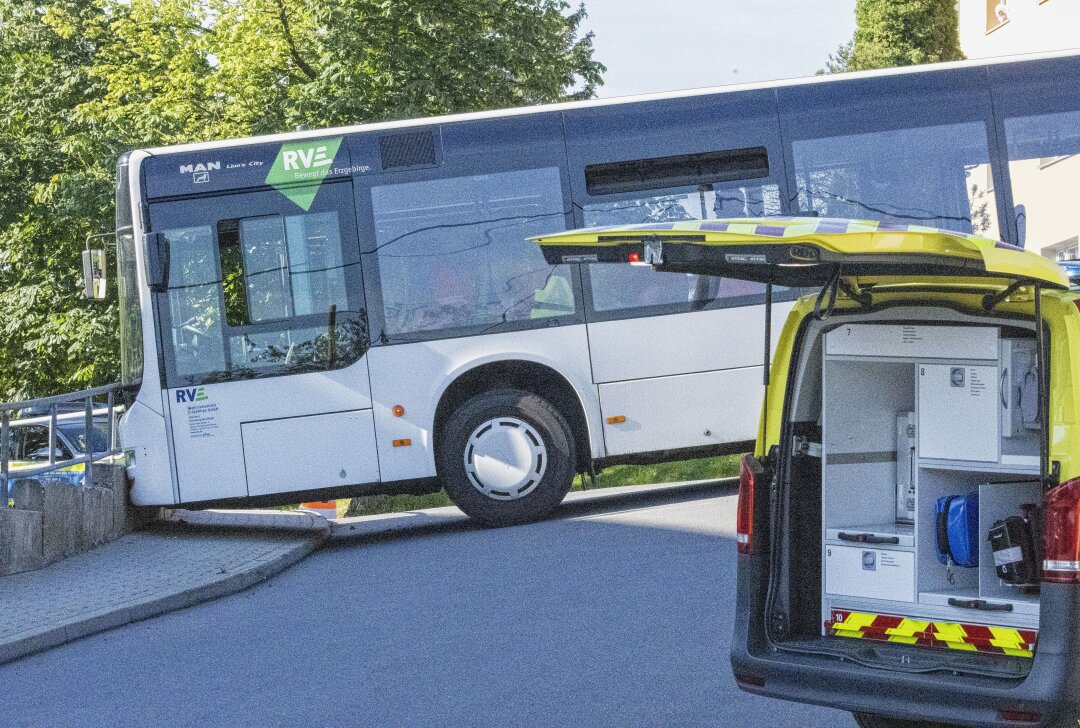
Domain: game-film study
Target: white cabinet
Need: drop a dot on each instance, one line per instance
(913, 341)
(870, 573)
(910, 415)
(958, 412)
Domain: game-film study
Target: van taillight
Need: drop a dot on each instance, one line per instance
(744, 517)
(1061, 532)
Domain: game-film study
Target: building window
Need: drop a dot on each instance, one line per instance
(997, 14)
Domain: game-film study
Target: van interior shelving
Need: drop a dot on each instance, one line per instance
(908, 413)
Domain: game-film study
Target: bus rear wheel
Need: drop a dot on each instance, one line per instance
(506, 457)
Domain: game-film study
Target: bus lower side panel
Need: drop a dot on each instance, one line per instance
(417, 486)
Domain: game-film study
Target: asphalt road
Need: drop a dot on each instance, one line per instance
(614, 617)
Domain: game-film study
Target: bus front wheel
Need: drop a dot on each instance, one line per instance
(506, 457)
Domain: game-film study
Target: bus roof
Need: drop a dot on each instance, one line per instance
(565, 106)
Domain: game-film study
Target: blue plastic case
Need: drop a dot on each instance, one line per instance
(957, 532)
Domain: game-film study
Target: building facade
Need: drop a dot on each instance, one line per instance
(1045, 189)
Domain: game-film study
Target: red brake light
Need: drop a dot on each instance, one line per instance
(744, 516)
(634, 257)
(1019, 716)
(1061, 533)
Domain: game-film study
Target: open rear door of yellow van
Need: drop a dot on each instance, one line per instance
(805, 252)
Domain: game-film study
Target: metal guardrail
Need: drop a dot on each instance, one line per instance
(14, 415)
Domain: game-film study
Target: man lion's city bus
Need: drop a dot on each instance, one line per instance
(358, 310)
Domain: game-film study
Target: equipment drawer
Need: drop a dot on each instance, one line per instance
(870, 573)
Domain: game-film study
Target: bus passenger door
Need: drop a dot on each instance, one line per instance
(263, 333)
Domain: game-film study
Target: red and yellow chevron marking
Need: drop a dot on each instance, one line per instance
(951, 635)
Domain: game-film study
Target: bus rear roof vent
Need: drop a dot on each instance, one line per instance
(412, 149)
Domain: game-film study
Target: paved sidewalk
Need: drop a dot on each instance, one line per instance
(189, 557)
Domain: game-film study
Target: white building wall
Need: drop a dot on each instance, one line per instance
(1048, 188)
(1030, 26)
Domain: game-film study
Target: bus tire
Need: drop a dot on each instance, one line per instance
(869, 720)
(506, 457)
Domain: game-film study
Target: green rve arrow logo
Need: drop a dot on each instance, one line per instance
(303, 162)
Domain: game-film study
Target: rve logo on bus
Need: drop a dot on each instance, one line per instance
(197, 394)
(303, 162)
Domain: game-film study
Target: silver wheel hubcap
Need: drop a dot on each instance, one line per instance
(505, 458)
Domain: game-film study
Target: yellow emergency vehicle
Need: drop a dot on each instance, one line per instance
(908, 531)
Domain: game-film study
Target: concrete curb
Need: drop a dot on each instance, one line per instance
(230, 584)
(437, 519)
(262, 520)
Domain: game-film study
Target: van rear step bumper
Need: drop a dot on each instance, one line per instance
(937, 635)
(942, 695)
(932, 697)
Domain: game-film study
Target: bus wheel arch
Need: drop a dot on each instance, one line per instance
(524, 411)
(529, 376)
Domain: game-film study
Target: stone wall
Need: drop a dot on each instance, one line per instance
(53, 519)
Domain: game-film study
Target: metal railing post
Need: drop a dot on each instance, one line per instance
(52, 434)
(88, 472)
(5, 450)
(110, 433)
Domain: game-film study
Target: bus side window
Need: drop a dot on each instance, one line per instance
(916, 176)
(453, 253)
(625, 288)
(556, 298)
(194, 302)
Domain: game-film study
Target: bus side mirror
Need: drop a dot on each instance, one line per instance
(1021, 225)
(157, 258)
(93, 267)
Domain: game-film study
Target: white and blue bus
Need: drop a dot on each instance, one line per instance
(358, 310)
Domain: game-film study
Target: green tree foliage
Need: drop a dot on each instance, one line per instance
(81, 81)
(892, 33)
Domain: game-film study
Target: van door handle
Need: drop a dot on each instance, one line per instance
(980, 604)
(867, 538)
